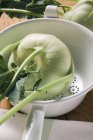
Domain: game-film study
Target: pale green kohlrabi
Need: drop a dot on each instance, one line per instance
(81, 13)
(47, 60)
(53, 63)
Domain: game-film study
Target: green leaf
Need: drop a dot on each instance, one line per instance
(5, 79)
(17, 93)
(5, 75)
(3, 65)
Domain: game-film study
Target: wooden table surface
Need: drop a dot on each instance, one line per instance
(84, 112)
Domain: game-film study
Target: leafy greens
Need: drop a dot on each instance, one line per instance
(5, 75)
(28, 8)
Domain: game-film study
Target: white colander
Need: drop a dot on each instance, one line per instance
(80, 43)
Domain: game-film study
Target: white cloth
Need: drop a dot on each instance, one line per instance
(52, 129)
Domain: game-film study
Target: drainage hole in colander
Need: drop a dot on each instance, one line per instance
(74, 88)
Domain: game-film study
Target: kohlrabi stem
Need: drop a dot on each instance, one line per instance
(9, 48)
(13, 81)
(21, 12)
(34, 96)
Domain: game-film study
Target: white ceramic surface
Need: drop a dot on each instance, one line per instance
(52, 130)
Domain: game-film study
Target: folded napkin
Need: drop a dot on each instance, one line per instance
(52, 129)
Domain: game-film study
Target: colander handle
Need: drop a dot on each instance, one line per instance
(34, 125)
